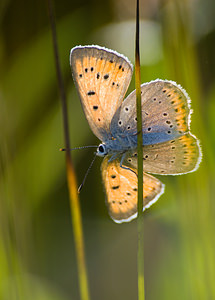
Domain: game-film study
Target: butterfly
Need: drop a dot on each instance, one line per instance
(102, 77)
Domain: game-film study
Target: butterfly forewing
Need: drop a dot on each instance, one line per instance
(165, 113)
(102, 78)
(121, 189)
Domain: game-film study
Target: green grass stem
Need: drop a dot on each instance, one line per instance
(71, 178)
(140, 255)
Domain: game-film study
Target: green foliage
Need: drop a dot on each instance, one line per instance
(36, 248)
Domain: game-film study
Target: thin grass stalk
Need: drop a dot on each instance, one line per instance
(140, 255)
(196, 217)
(77, 228)
(71, 178)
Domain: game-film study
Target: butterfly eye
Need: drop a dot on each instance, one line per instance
(101, 150)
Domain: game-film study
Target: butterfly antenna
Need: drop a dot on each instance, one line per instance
(85, 177)
(77, 148)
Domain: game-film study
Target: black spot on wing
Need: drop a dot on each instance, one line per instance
(91, 93)
(115, 187)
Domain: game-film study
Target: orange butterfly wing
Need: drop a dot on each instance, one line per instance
(121, 190)
(102, 78)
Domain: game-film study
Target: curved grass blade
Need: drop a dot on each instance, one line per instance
(71, 178)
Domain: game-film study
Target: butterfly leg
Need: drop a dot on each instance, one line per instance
(136, 133)
(126, 168)
(113, 157)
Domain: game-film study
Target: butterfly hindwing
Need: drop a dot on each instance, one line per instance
(178, 156)
(102, 78)
(121, 190)
(165, 113)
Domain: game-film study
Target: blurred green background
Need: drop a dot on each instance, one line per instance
(37, 258)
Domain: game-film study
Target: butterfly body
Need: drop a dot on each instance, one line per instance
(102, 77)
(114, 146)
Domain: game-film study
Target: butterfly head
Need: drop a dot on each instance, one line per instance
(102, 150)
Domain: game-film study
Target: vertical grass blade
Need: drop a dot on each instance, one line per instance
(71, 178)
(140, 257)
(195, 213)
(77, 228)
